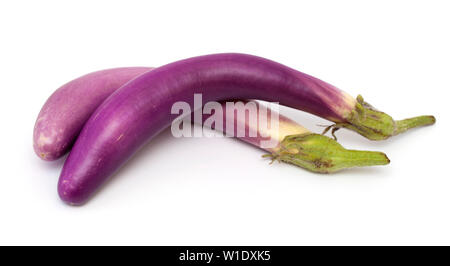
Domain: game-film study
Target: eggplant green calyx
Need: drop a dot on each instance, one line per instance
(376, 125)
(321, 154)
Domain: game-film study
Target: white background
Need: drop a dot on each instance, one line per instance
(220, 191)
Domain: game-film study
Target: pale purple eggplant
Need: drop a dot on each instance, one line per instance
(66, 111)
(290, 142)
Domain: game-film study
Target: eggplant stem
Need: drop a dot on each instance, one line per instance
(376, 125)
(321, 154)
(409, 123)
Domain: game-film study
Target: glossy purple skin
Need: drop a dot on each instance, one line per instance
(140, 109)
(66, 111)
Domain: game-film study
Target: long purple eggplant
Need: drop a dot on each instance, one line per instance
(142, 108)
